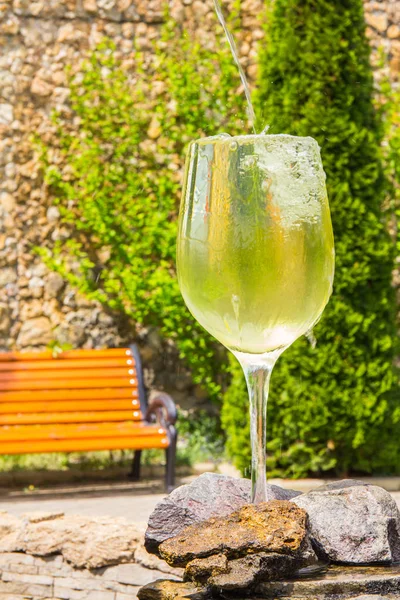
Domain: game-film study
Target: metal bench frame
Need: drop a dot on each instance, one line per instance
(162, 410)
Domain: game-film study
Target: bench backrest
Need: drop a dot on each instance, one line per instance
(77, 386)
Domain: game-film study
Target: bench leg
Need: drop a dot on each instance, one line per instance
(171, 460)
(135, 472)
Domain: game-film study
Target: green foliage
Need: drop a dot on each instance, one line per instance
(118, 189)
(390, 108)
(235, 419)
(335, 406)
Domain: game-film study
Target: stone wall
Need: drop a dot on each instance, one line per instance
(383, 31)
(37, 40)
(51, 556)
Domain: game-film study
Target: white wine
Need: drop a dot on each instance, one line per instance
(255, 245)
(255, 255)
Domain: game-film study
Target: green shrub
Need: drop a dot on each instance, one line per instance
(389, 105)
(118, 190)
(334, 407)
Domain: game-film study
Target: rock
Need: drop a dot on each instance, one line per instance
(7, 201)
(35, 332)
(247, 572)
(90, 5)
(54, 284)
(154, 130)
(209, 495)
(35, 282)
(11, 528)
(276, 526)
(374, 597)
(85, 543)
(379, 22)
(5, 321)
(340, 485)
(31, 310)
(6, 114)
(53, 214)
(217, 573)
(163, 589)
(10, 26)
(150, 561)
(40, 87)
(393, 32)
(200, 570)
(337, 583)
(7, 275)
(40, 516)
(353, 523)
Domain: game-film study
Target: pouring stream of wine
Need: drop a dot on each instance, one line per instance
(232, 45)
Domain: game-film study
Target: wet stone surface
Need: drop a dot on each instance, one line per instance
(276, 526)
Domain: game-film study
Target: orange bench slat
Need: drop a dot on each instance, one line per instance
(79, 354)
(71, 374)
(66, 417)
(73, 431)
(128, 443)
(67, 363)
(78, 394)
(69, 406)
(66, 384)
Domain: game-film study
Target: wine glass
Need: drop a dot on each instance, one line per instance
(255, 255)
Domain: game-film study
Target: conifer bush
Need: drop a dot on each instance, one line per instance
(335, 407)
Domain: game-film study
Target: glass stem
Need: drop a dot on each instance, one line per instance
(257, 370)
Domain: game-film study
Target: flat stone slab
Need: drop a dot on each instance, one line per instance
(338, 583)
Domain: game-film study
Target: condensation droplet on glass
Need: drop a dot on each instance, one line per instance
(235, 303)
(311, 338)
(249, 162)
(233, 146)
(266, 184)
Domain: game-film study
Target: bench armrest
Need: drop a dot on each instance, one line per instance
(161, 409)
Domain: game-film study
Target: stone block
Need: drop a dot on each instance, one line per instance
(130, 596)
(378, 21)
(67, 594)
(26, 589)
(16, 558)
(27, 578)
(130, 574)
(82, 541)
(36, 332)
(21, 568)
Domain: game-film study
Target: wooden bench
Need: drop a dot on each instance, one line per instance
(83, 400)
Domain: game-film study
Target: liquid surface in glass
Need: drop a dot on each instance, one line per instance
(255, 244)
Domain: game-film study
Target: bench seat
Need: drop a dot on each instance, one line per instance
(82, 400)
